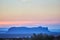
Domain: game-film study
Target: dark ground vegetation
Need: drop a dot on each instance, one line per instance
(36, 37)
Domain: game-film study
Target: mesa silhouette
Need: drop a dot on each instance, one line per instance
(25, 30)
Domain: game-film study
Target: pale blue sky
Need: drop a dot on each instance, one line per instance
(29, 12)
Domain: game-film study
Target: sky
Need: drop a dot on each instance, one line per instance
(29, 12)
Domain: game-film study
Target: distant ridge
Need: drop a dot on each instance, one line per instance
(25, 30)
(16, 32)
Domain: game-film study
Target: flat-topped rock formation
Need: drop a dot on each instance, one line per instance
(25, 30)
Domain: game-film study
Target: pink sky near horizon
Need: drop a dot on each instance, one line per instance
(28, 22)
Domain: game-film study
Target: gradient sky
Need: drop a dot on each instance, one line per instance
(29, 12)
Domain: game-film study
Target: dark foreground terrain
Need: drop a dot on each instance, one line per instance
(35, 37)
